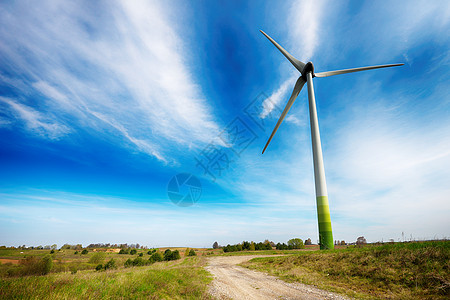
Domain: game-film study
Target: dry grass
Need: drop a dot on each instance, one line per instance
(399, 271)
(184, 279)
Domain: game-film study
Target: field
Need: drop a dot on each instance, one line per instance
(180, 279)
(417, 270)
(396, 271)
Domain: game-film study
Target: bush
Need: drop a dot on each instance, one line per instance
(192, 253)
(111, 264)
(123, 251)
(47, 264)
(169, 255)
(138, 262)
(53, 251)
(97, 258)
(84, 251)
(76, 252)
(73, 270)
(128, 263)
(133, 251)
(150, 252)
(34, 266)
(176, 255)
(141, 254)
(156, 257)
(99, 267)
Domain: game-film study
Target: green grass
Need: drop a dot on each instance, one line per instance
(182, 279)
(397, 271)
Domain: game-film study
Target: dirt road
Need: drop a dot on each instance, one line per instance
(234, 282)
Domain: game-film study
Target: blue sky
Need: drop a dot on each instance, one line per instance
(102, 103)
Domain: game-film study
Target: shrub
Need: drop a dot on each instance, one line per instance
(99, 267)
(141, 254)
(138, 262)
(84, 251)
(157, 256)
(167, 254)
(151, 251)
(123, 251)
(73, 270)
(76, 252)
(175, 255)
(128, 263)
(34, 266)
(47, 264)
(53, 251)
(111, 264)
(97, 258)
(192, 253)
(133, 251)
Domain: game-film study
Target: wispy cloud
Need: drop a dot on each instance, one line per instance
(35, 121)
(303, 38)
(128, 64)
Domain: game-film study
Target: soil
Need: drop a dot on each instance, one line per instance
(234, 282)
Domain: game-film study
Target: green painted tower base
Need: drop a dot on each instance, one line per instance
(325, 232)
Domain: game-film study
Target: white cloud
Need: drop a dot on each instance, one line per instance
(37, 122)
(304, 23)
(128, 64)
(303, 29)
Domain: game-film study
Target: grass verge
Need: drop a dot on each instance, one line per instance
(184, 279)
(418, 270)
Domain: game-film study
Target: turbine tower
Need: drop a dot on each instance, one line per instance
(307, 74)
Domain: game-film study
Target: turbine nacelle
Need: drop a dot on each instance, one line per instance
(309, 67)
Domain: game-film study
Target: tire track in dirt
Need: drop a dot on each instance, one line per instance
(235, 282)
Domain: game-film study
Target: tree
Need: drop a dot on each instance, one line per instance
(361, 240)
(308, 242)
(342, 242)
(216, 245)
(252, 246)
(296, 243)
(54, 247)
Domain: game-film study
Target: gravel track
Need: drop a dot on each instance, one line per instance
(235, 282)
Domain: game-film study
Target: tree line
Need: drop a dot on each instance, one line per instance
(294, 243)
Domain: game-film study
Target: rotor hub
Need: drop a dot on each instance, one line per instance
(309, 67)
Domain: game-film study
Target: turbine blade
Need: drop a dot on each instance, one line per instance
(338, 72)
(298, 87)
(297, 64)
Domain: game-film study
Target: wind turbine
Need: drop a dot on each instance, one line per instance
(307, 74)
